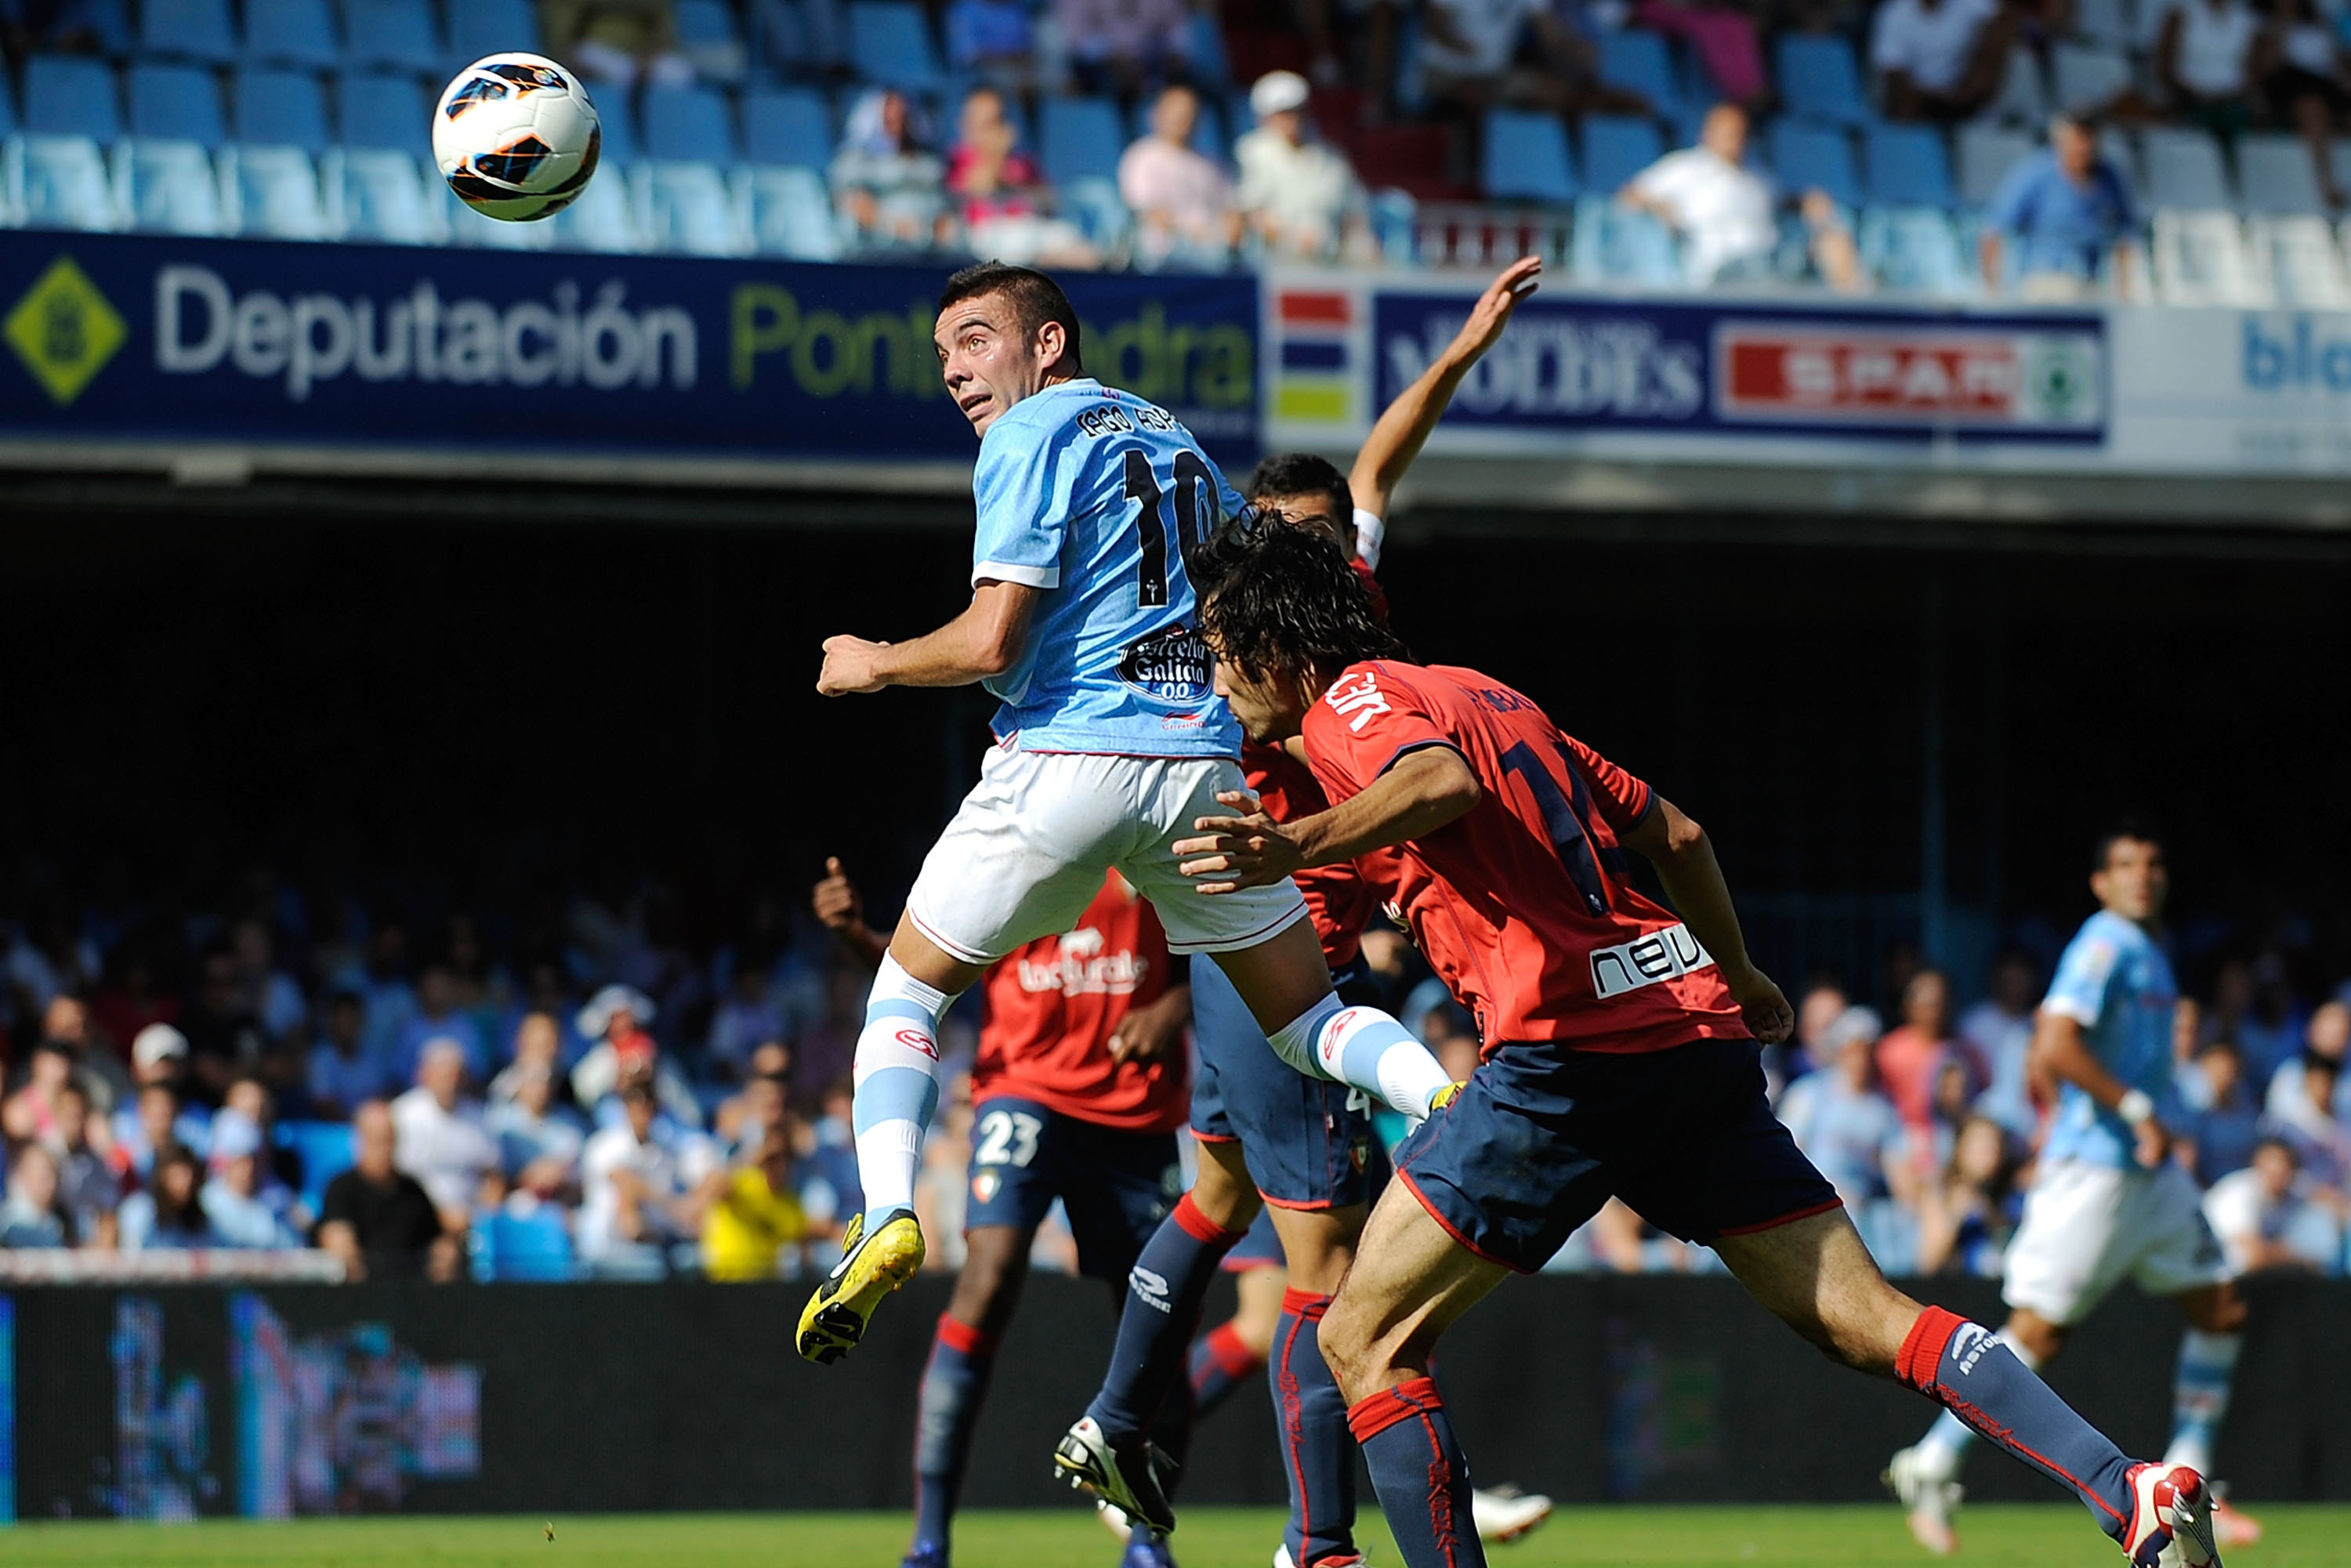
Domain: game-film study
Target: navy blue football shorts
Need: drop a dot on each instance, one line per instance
(1116, 1186)
(1542, 1136)
(1305, 1147)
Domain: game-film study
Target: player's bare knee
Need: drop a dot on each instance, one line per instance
(1350, 1349)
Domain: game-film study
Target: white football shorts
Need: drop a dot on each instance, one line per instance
(1027, 851)
(2087, 1227)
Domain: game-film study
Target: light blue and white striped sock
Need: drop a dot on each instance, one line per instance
(2199, 1396)
(897, 1086)
(1364, 1048)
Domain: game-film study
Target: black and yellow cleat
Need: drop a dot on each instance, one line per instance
(870, 1267)
(1445, 1096)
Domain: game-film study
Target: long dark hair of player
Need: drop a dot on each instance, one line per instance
(1279, 599)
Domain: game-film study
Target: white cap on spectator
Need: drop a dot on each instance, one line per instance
(1851, 1025)
(1278, 92)
(597, 1016)
(155, 1042)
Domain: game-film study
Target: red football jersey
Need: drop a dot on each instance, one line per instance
(1051, 1007)
(1521, 904)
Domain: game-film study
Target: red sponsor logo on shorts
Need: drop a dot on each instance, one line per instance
(914, 1039)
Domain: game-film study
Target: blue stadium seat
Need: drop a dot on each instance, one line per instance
(2275, 175)
(1639, 61)
(168, 187)
(292, 32)
(620, 123)
(66, 184)
(1907, 166)
(1986, 154)
(1080, 137)
(1616, 147)
(1526, 158)
(380, 110)
(179, 103)
(890, 42)
(1815, 157)
(326, 1150)
(479, 27)
(282, 108)
(65, 95)
(684, 208)
(399, 34)
(788, 212)
(603, 219)
(198, 29)
(1819, 78)
(534, 1247)
(689, 125)
(373, 193)
(9, 124)
(786, 127)
(2184, 169)
(111, 20)
(1620, 245)
(706, 35)
(1915, 250)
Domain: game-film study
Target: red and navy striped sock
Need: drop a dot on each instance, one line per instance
(1420, 1475)
(1318, 1448)
(1960, 1366)
(1163, 1292)
(955, 1384)
(1221, 1363)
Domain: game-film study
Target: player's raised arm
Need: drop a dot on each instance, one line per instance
(1684, 857)
(1403, 428)
(987, 639)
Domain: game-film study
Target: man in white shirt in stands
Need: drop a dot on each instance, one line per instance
(440, 1135)
(2270, 1216)
(644, 1183)
(1296, 191)
(1938, 59)
(1724, 211)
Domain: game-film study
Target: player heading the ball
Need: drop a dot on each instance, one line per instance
(1111, 744)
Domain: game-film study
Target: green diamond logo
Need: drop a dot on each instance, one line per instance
(65, 330)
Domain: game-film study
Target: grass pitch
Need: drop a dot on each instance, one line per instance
(2053, 1536)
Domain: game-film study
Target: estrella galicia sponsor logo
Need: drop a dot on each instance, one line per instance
(1150, 1289)
(1171, 665)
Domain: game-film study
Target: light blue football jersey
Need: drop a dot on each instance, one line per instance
(1093, 495)
(2117, 985)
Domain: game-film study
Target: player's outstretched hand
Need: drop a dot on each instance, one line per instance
(1246, 850)
(838, 903)
(1768, 1017)
(849, 667)
(1492, 312)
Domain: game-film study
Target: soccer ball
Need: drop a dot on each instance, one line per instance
(515, 137)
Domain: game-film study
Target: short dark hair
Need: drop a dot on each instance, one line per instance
(2101, 851)
(1036, 300)
(1275, 598)
(1303, 474)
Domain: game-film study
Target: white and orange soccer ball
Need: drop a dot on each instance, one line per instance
(515, 137)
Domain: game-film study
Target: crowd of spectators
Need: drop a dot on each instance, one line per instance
(583, 1091)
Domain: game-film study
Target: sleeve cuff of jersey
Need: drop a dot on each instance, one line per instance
(1026, 576)
(1431, 744)
(2066, 1008)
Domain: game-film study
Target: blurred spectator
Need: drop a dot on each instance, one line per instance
(829, 1189)
(1182, 201)
(2267, 1216)
(616, 41)
(538, 1046)
(1998, 1028)
(391, 999)
(232, 1199)
(50, 957)
(1966, 1214)
(270, 994)
(2326, 1036)
(32, 1217)
(1840, 1120)
(1938, 60)
(2304, 84)
(438, 1016)
(756, 1216)
(341, 1073)
(41, 27)
(2065, 209)
(156, 1120)
(994, 41)
(1124, 47)
(281, 1169)
(942, 1190)
(442, 1141)
(1722, 37)
(615, 1018)
(1002, 200)
(98, 1070)
(31, 1111)
(169, 1214)
(885, 178)
(2204, 57)
(1910, 1058)
(744, 1118)
(2220, 1134)
(747, 1020)
(131, 999)
(1723, 210)
(1823, 1003)
(2304, 1115)
(376, 1217)
(223, 1037)
(538, 1141)
(1483, 52)
(644, 1185)
(89, 1190)
(1300, 194)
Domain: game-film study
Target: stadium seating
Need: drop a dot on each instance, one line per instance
(282, 108)
(786, 127)
(2303, 259)
(1907, 166)
(890, 42)
(180, 103)
(708, 36)
(191, 29)
(398, 35)
(604, 218)
(383, 195)
(1613, 243)
(111, 20)
(326, 1150)
(1915, 250)
(60, 182)
(1820, 79)
(1616, 147)
(620, 132)
(1639, 61)
(2183, 169)
(2202, 258)
(1526, 158)
(1815, 157)
(375, 109)
(689, 124)
(273, 193)
(2023, 98)
(1986, 154)
(1080, 137)
(9, 125)
(479, 27)
(534, 1246)
(2108, 23)
(786, 212)
(685, 208)
(65, 95)
(294, 32)
(2275, 175)
(2086, 78)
